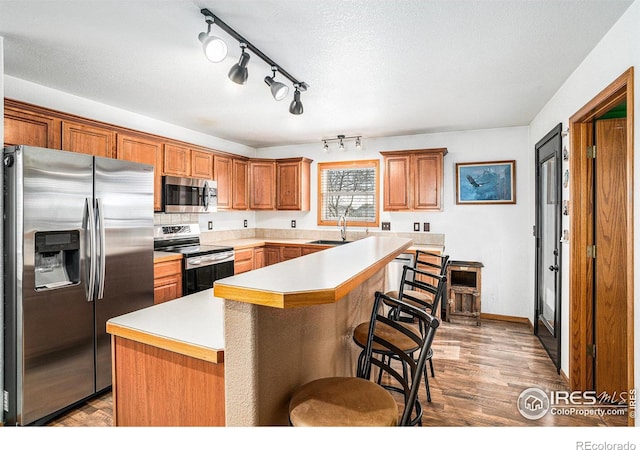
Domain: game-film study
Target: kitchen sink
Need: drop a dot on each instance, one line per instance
(327, 242)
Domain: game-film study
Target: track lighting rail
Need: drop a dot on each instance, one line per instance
(300, 85)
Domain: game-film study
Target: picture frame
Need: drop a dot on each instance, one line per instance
(486, 183)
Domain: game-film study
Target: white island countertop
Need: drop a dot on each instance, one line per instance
(315, 279)
(192, 325)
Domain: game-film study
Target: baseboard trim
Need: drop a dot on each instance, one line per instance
(503, 318)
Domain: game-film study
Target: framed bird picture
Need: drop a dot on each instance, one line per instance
(486, 183)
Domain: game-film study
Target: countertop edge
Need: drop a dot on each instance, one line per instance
(215, 356)
(294, 299)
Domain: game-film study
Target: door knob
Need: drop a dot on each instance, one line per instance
(553, 268)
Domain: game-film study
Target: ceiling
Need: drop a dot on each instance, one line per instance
(375, 67)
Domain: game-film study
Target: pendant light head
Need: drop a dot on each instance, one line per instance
(296, 105)
(278, 90)
(341, 146)
(239, 72)
(215, 49)
(358, 143)
(326, 147)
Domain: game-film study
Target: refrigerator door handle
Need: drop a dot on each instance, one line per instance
(101, 239)
(90, 226)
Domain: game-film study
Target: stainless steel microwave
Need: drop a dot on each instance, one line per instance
(189, 195)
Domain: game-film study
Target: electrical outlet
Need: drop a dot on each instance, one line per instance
(386, 226)
(210, 225)
(416, 226)
(426, 226)
(293, 224)
(246, 223)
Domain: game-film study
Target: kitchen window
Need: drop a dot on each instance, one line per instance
(350, 187)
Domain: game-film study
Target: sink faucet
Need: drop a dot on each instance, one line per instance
(343, 228)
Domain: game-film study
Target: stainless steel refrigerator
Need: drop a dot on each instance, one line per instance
(78, 237)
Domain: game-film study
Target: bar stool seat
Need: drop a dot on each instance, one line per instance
(343, 401)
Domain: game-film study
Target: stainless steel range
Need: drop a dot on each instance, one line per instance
(201, 264)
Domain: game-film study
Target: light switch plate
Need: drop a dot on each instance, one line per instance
(426, 226)
(210, 225)
(416, 226)
(246, 223)
(293, 224)
(386, 226)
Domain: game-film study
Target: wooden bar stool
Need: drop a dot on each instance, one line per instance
(358, 401)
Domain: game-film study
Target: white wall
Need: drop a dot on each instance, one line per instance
(18, 89)
(499, 236)
(613, 55)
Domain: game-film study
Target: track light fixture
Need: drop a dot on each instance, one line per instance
(215, 49)
(278, 90)
(341, 138)
(296, 105)
(239, 72)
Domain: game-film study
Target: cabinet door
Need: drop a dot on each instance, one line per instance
(263, 185)
(271, 255)
(27, 128)
(240, 184)
(202, 164)
(223, 176)
(258, 258)
(290, 253)
(146, 151)
(91, 140)
(176, 160)
(293, 185)
(397, 182)
(427, 191)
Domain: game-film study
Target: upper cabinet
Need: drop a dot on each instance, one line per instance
(240, 189)
(202, 164)
(222, 173)
(413, 179)
(25, 127)
(293, 184)
(177, 160)
(88, 139)
(147, 151)
(262, 182)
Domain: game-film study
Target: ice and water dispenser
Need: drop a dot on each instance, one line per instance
(57, 259)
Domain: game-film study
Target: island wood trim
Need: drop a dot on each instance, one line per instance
(285, 300)
(184, 348)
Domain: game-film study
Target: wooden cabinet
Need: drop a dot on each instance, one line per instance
(258, 258)
(146, 151)
(202, 164)
(271, 255)
(167, 280)
(24, 127)
(88, 139)
(240, 184)
(243, 261)
(222, 173)
(413, 180)
(464, 302)
(262, 178)
(177, 160)
(293, 184)
(287, 253)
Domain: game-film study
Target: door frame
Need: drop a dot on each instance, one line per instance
(581, 292)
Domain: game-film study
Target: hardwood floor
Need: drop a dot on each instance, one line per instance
(480, 372)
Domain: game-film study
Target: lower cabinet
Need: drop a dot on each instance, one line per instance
(243, 261)
(167, 281)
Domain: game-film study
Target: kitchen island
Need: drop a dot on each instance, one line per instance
(292, 322)
(168, 363)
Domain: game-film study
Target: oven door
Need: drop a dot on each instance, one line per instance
(202, 271)
(189, 195)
